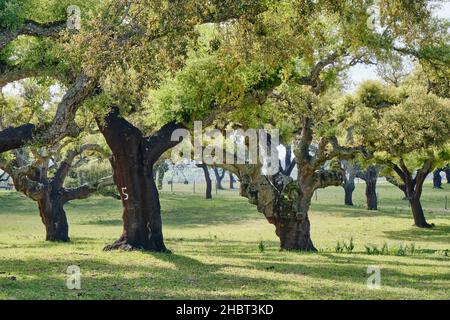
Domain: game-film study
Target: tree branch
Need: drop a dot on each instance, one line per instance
(32, 28)
(66, 165)
(86, 190)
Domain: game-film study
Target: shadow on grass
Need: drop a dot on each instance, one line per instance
(440, 233)
(188, 277)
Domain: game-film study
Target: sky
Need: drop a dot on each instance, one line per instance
(361, 72)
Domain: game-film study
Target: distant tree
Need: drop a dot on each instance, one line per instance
(219, 174)
(437, 179)
(205, 169)
(232, 180)
(350, 170)
(407, 130)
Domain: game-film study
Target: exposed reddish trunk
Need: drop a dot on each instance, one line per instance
(133, 159)
(53, 216)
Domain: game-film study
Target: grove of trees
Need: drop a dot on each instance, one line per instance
(134, 72)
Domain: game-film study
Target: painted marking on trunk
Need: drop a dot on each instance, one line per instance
(125, 196)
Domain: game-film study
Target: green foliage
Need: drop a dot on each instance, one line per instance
(261, 246)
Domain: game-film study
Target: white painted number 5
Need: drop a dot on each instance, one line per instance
(125, 194)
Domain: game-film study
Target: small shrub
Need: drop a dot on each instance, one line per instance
(385, 249)
(349, 248)
(372, 250)
(400, 251)
(261, 246)
(412, 248)
(339, 248)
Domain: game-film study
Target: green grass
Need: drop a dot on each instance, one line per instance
(216, 247)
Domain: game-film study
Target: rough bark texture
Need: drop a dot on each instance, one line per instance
(50, 193)
(284, 202)
(132, 160)
(14, 138)
(349, 187)
(371, 177)
(53, 216)
(204, 167)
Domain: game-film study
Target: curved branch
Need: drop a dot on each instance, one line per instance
(66, 165)
(32, 28)
(15, 137)
(86, 190)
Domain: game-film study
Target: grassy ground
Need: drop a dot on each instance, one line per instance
(216, 251)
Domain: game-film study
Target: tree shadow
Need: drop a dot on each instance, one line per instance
(439, 233)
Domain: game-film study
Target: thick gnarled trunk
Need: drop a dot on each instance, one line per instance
(294, 233)
(53, 216)
(132, 161)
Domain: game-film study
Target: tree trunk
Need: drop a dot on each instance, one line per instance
(417, 211)
(231, 181)
(349, 187)
(437, 179)
(414, 192)
(207, 180)
(371, 188)
(219, 177)
(51, 209)
(133, 159)
(447, 173)
(294, 233)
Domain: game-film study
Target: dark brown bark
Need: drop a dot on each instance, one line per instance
(133, 159)
(53, 216)
(15, 137)
(437, 179)
(207, 180)
(418, 214)
(414, 187)
(371, 176)
(294, 233)
(232, 181)
(349, 187)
